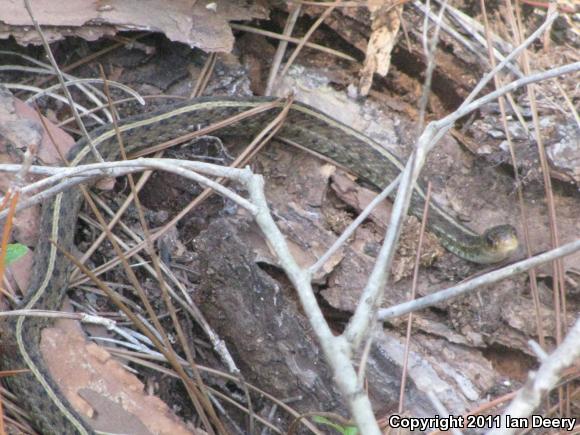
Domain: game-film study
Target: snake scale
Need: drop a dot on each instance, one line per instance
(304, 125)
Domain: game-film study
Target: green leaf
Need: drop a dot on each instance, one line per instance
(14, 252)
(344, 430)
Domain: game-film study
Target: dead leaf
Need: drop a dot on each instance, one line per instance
(97, 385)
(20, 129)
(54, 143)
(385, 23)
(197, 24)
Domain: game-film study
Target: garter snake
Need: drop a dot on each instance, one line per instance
(304, 125)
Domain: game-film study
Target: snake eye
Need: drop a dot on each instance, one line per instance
(491, 237)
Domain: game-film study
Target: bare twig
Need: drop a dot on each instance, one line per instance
(282, 45)
(412, 297)
(312, 45)
(336, 349)
(82, 317)
(143, 360)
(430, 49)
(204, 76)
(163, 345)
(155, 259)
(473, 284)
(372, 294)
(72, 176)
(559, 293)
(353, 226)
(57, 97)
(198, 90)
(523, 210)
(62, 82)
(474, 48)
(308, 34)
(543, 380)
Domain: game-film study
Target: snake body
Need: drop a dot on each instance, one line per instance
(304, 125)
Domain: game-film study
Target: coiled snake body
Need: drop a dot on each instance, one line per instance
(304, 125)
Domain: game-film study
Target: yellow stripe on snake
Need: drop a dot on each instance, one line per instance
(304, 125)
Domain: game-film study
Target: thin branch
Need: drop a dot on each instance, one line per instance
(76, 175)
(337, 350)
(543, 380)
(308, 34)
(282, 45)
(474, 48)
(62, 82)
(430, 52)
(57, 97)
(292, 40)
(163, 345)
(77, 81)
(49, 314)
(372, 294)
(446, 123)
(506, 61)
(486, 279)
(412, 297)
(518, 184)
(353, 226)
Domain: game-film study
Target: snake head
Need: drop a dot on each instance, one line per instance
(502, 240)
